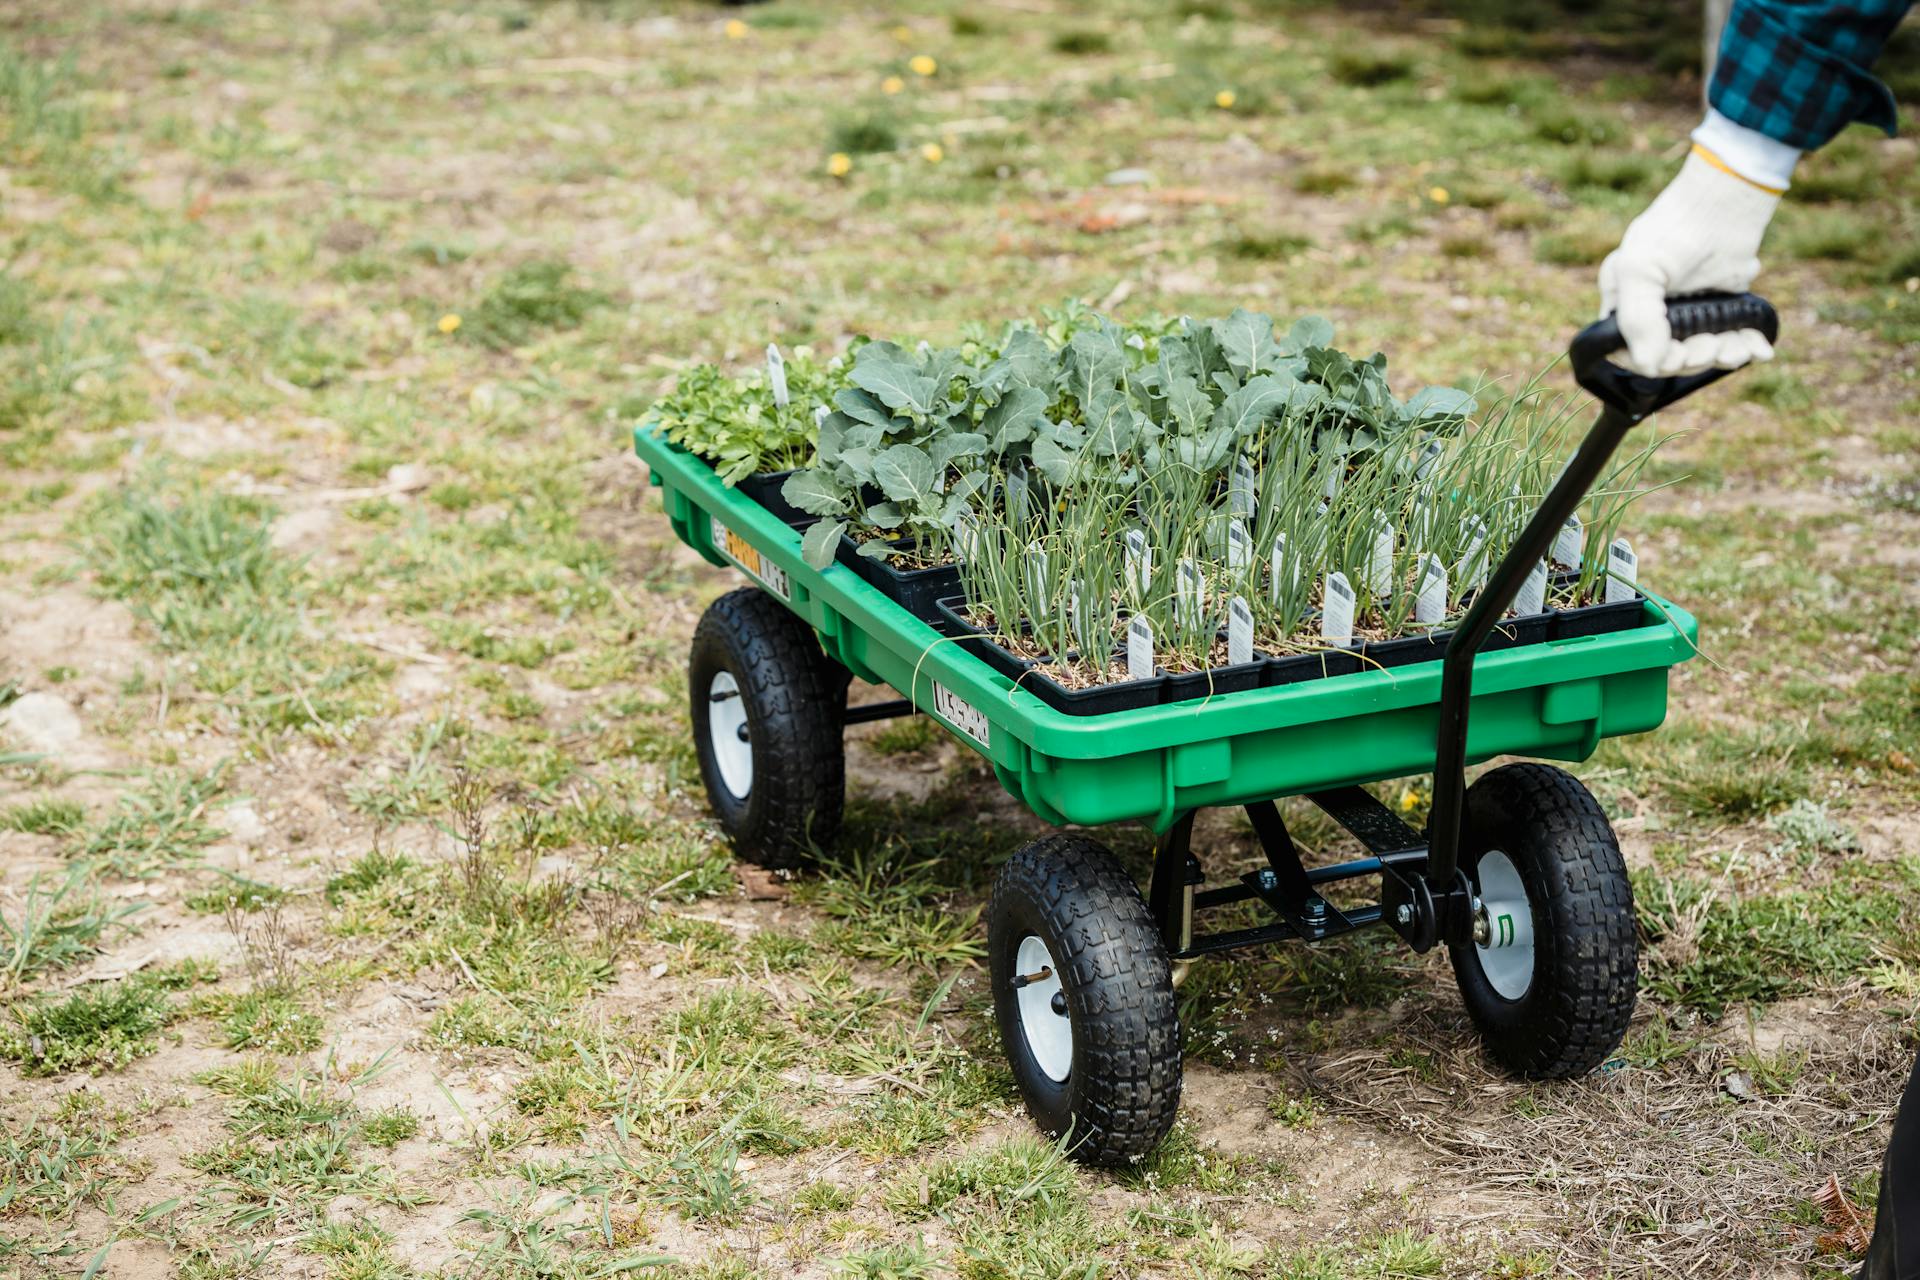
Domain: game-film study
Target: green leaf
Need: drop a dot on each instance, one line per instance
(1440, 404)
(1188, 407)
(1110, 423)
(1030, 358)
(821, 541)
(884, 515)
(889, 375)
(958, 444)
(1053, 462)
(1307, 331)
(875, 549)
(861, 407)
(906, 474)
(1246, 339)
(1252, 405)
(814, 493)
(1013, 420)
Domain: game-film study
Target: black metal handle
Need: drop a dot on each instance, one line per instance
(1636, 395)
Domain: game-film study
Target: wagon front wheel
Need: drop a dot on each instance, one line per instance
(1550, 972)
(1084, 997)
(767, 711)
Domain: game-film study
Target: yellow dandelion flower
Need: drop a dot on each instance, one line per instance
(1408, 798)
(922, 65)
(736, 29)
(839, 164)
(903, 34)
(933, 153)
(1225, 99)
(1439, 195)
(892, 84)
(449, 322)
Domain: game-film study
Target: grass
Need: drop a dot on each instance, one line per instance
(97, 1028)
(284, 535)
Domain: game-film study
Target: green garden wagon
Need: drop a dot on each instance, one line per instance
(1519, 875)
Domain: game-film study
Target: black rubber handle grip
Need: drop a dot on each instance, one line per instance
(1636, 395)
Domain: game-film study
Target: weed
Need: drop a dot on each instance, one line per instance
(1323, 180)
(98, 1028)
(888, 1262)
(1370, 68)
(530, 299)
(59, 924)
(161, 826)
(1805, 826)
(1268, 245)
(864, 135)
(48, 817)
(1082, 42)
(270, 1021)
(706, 1186)
(1758, 948)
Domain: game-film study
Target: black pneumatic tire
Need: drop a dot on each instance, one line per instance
(1123, 1088)
(794, 705)
(1586, 958)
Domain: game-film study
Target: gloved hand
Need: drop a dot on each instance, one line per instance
(1703, 232)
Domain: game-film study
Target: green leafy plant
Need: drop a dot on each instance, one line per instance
(739, 425)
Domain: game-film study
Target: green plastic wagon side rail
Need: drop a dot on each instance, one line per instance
(1555, 700)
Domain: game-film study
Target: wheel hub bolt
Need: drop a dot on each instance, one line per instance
(1404, 913)
(1482, 923)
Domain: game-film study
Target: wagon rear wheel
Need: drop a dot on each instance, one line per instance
(1084, 998)
(767, 710)
(1550, 973)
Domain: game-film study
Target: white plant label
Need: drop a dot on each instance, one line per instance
(1239, 631)
(1336, 610)
(1139, 648)
(1428, 456)
(1281, 573)
(777, 374)
(1239, 549)
(1623, 571)
(1241, 487)
(1189, 593)
(1139, 566)
(1017, 494)
(1566, 544)
(1533, 592)
(1473, 564)
(1430, 606)
(1380, 562)
(1331, 487)
(1038, 581)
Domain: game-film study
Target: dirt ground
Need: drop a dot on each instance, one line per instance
(360, 913)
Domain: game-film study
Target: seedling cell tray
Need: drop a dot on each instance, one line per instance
(918, 591)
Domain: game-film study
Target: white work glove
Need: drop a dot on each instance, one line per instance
(1701, 233)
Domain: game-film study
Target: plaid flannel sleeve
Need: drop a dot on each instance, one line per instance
(1797, 70)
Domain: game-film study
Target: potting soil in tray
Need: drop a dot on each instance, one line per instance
(1267, 670)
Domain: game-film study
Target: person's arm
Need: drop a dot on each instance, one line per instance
(1790, 76)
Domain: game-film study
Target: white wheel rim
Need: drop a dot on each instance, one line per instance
(727, 733)
(1506, 954)
(1049, 1034)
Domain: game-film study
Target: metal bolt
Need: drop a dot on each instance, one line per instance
(1404, 914)
(1267, 879)
(1316, 909)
